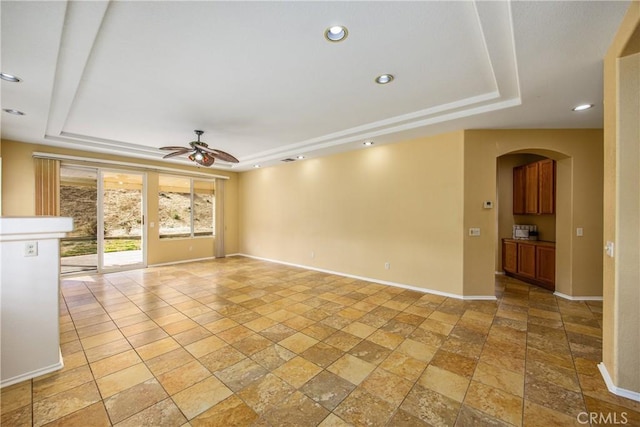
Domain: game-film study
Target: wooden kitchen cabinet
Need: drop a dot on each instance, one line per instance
(527, 260)
(531, 189)
(534, 188)
(531, 261)
(510, 256)
(546, 186)
(546, 266)
(518, 190)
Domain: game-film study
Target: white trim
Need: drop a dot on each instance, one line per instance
(135, 267)
(34, 374)
(181, 262)
(381, 282)
(94, 160)
(32, 236)
(629, 394)
(499, 273)
(577, 298)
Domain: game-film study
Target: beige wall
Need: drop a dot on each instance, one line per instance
(398, 204)
(353, 212)
(18, 199)
(621, 308)
(579, 185)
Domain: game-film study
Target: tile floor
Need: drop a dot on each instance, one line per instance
(237, 342)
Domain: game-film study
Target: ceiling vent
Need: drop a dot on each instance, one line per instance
(289, 159)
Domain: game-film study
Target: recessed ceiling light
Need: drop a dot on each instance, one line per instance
(336, 33)
(367, 143)
(13, 111)
(300, 157)
(582, 107)
(9, 77)
(256, 166)
(384, 79)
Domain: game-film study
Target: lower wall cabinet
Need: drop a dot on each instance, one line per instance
(530, 261)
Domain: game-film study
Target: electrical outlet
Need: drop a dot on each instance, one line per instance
(474, 232)
(579, 232)
(387, 266)
(31, 249)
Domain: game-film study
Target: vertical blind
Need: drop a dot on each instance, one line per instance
(47, 187)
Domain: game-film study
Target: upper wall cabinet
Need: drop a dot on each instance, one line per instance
(534, 188)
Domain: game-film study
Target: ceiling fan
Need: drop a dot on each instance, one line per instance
(200, 152)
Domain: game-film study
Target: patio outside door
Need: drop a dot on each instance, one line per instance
(107, 208)
(121, 220)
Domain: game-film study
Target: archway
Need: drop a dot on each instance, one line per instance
(554, 227)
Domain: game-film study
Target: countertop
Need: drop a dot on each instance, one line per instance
(531, 242)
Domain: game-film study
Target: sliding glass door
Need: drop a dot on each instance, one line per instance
(108, 209)
(121, 220)
(79, 200)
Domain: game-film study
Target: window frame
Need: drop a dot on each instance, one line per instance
(192, 234)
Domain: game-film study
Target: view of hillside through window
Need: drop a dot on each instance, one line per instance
(178, 214)
(186, 209)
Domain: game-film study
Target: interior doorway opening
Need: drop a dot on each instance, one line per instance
(526, 218)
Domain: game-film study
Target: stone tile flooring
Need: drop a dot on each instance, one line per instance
(237, 342)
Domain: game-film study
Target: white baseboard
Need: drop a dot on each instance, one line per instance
(633, 395)
(181, 262)
(34, 373)
(577, 298)
(380, 282)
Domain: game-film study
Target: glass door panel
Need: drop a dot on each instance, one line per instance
(78, 200)
(121, 220)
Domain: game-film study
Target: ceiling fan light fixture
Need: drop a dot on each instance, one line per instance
(10, 77)
(200, 152)
(337, 33)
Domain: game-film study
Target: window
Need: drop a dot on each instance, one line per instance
(186, 207)
(203, 208)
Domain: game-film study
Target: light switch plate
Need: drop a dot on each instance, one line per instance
(474, 232)
(609, 249)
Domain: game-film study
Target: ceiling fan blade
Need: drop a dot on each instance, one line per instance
(202, 146)
(177, 153)
(173, 147)
(224, 156)
(218, 153)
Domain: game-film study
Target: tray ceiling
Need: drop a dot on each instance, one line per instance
(260, 79)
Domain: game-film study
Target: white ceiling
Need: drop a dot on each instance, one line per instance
(260, 79)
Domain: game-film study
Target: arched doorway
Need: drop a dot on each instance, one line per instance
(555, 227)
